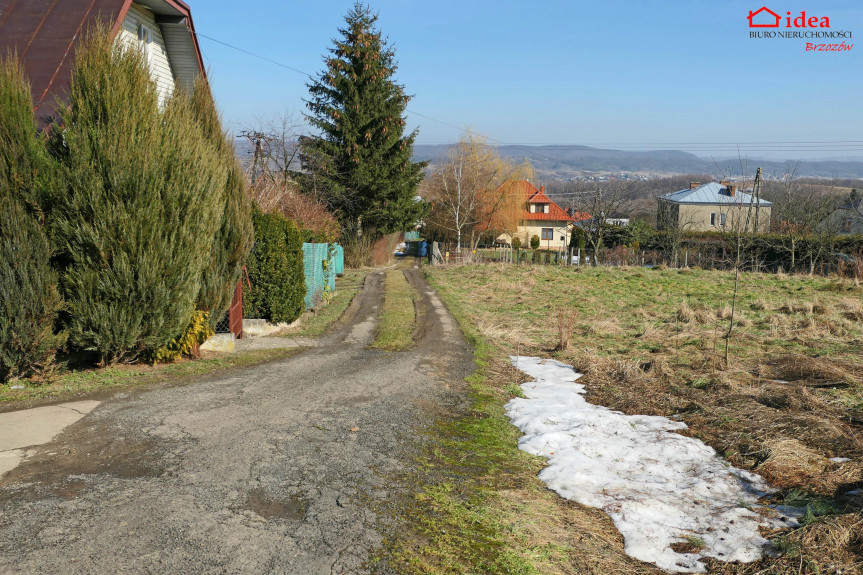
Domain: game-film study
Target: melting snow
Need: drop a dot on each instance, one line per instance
(658, 487)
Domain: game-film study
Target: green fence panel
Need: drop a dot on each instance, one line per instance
(318, 279)
(340, 260)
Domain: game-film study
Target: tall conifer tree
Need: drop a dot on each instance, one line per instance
(29, 297)
(361, 159)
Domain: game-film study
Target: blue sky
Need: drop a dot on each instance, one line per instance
(613, 74)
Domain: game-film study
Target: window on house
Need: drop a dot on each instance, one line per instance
(712, 218)
(548, 233)
(722, 219)
(143, 35)
(847, 222)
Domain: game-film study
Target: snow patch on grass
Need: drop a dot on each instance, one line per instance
(659, 487)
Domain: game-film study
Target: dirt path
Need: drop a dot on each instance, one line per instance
(279, 468)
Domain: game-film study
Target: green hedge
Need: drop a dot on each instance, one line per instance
(772, 250)
(29, 297)
(275, 270)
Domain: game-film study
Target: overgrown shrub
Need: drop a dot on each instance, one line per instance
(187, 344)
(317, 224)
(29, 298)
(234, 237)
(275, 270)
(137, 220)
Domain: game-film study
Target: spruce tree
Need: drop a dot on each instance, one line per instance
(137, 219)
(29, 298)
(361, 158)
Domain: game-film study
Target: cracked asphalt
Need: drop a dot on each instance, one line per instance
(286, 467)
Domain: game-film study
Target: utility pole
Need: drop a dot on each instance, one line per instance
(258, 139)
(756, 190)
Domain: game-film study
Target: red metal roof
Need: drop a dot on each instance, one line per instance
(44, 34)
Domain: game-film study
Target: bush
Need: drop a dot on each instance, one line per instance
(534, 242)
(275, 270)
(188, 343)
(29, 297)
(142, 204)
(234, 237)
(516, 242)
(317, 224)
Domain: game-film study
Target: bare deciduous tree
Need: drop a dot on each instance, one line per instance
(598, 205)
(466, 194)
(276, 142)
(804, 214)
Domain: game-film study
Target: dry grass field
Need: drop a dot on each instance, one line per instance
(787, 403)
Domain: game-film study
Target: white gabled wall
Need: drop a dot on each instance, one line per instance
(157, 55)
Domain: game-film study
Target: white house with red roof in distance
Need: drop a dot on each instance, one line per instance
(540, 216)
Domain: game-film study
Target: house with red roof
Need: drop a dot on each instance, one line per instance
(540, 216)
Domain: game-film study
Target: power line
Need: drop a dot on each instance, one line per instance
(766, 146)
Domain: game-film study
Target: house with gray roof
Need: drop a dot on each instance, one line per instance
(712, 207)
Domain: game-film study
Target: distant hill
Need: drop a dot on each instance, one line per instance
(566, 162)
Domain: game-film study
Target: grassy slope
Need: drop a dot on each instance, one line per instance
(650, 341)
(398, 314)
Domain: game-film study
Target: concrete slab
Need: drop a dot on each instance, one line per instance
(252, 343)
(9, 460)
(29, 427)
(223, 342)
(263, 328)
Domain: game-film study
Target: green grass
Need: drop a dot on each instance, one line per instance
(455, 521)
(397, 319)
(316, 323)
(76, 383)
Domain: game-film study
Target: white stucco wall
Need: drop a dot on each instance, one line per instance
(530, 229)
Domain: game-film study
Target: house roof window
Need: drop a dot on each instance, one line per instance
(539, 208)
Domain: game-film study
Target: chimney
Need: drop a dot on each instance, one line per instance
(728, 186)
(693, 185)
(542, 189)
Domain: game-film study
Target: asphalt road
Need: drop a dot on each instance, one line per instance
(280, 468)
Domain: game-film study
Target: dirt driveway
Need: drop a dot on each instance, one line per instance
(280, 468)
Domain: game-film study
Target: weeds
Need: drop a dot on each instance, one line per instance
(647, 344)
(398, 314)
